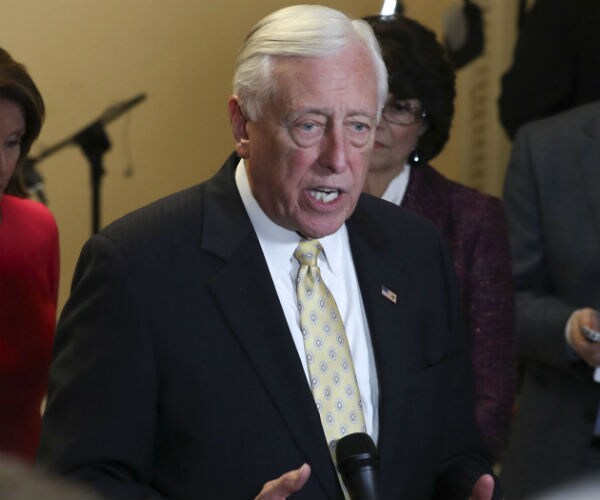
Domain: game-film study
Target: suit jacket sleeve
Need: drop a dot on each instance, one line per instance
(104, 378)
(541, 314)
(462, 468)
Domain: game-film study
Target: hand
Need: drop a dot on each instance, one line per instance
(483, 489)
(285, 485)
(587, 350)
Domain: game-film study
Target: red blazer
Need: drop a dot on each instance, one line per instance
(473, 224)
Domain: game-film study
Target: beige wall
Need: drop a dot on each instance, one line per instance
(88, 54)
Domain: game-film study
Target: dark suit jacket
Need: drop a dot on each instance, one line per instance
(175, 372)
(556, 63)
(473, 224)
(552, 201)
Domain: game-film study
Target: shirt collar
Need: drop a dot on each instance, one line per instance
(397, 186)
(278, 243)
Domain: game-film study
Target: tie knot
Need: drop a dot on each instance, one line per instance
(307, 252)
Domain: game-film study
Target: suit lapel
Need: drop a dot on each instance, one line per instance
(245, 293)
(376, 267)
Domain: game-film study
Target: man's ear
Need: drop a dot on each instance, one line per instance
(238, 128)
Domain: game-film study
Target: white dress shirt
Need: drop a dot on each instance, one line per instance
(338, 272)
(397, 187)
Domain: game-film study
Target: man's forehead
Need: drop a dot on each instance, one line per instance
(326, 86)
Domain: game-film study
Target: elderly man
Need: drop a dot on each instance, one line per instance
(200, 354)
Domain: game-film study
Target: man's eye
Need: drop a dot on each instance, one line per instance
(308, 126)
(359, 126)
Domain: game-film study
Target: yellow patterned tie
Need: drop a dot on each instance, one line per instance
(332, 377)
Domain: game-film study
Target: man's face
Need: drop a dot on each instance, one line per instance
(307, 155)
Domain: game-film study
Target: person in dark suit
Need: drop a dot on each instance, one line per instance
(18, 481)
(414, 129)
(556, 62)
(180, 366)
(553, 212)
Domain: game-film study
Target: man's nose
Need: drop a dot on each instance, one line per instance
(333, 151)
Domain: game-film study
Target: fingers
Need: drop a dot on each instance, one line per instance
(285, 485)
(483, 488)
(586, 317)
(589, 351)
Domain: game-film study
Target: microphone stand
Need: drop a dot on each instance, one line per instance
(94, 142)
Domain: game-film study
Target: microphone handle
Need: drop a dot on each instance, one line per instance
(362, 484)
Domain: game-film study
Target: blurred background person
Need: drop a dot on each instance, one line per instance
(20, 482)
(552, 203)
(556, 62)
(29, 266)
(413, 130)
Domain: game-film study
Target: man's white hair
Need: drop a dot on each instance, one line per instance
(302, 31)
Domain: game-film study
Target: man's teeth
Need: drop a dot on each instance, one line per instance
(324, 195)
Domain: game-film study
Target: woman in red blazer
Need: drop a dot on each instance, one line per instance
(28, 269)
(414, 129)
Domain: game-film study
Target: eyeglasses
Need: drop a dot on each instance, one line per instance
(403, 112)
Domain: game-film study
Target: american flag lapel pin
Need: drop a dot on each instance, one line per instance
(388, 294)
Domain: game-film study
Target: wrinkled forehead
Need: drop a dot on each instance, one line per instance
(346, 79)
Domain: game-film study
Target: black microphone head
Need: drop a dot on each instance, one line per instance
(358, 462)
(356, 446)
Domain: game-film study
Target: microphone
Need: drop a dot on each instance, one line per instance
(358, 463)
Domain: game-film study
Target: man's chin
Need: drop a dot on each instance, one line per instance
(320, 228)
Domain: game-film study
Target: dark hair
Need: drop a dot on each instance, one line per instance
(16, 85)
(418, 68)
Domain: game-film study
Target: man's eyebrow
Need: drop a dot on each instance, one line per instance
(316, 111)
(361, 114)
(327, 112)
